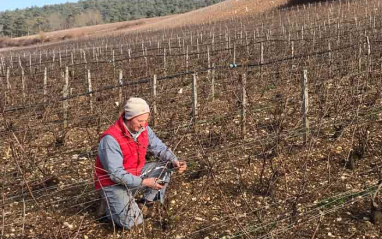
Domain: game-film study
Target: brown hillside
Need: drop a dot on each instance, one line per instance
(220, 11)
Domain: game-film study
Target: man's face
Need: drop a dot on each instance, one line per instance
(138, 122)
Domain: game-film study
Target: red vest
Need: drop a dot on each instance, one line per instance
(134, 153)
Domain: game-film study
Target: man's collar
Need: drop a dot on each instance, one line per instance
(133, 135)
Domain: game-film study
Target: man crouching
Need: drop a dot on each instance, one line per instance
(121, 169)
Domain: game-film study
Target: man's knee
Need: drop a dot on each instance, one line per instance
(127, 217)
(122, 208)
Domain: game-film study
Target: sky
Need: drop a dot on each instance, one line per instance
(13, 4)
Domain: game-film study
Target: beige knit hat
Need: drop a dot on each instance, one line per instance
(135, 107)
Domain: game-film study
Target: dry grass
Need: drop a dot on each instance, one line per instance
(217, 12)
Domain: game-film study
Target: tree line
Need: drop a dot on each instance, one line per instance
(29, 21)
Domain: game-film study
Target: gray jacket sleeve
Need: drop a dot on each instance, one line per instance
(158, 148)
(110, 155)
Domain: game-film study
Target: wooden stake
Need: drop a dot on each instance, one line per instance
(65, 94)
(234, 53)
(45, 84)
(147, 62)
(213, 82)
(208, 58)
(197, 47)
(90, 90)
(243, 105)
(368, 55)
(194, 98)
(154, 87)
(330, 53)
(213, 41)
(292, 46)
(164, 59)
(23, 83)
(30, 64)
(113, 60)
(187, 58)
(8, 75)
(59, 57)
(368, 61)
(84, 57)
(305, 104)
(169, 46)
(120, 83)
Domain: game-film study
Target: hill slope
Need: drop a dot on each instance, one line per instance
(216, 12)
(89, 12)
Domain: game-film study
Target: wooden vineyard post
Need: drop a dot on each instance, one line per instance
(262, 53)
(23, 84)
(2, 64)
(209, 72)
(187, 58)
(243, 105)
(30, 64)
(213, 41)
(7, 78)
(65, 94)
(164, 61)
(213, 82)
(338, 34)
(45, 84)
(59, 57)
(208, 60)
(113, 59)
(261, 59)
(93, 53)
(53, 58)
(120, 82)
(360, 58)
(234, 53)
(154, 87)
(330, 59)
(292, 46)
(11, 62)
(305, 104)
(89, 91)
(169, 46)
(146, 62)
(194, 98)
(246, 43)
(368, 57)
(84, 53)
(228, 46)
(20, 64)
(330, 53)
(197, 47)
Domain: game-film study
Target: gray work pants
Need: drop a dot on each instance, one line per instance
(122, 208)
